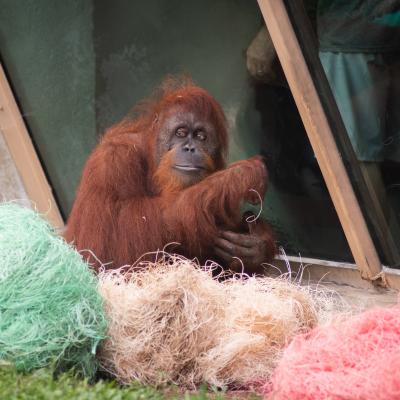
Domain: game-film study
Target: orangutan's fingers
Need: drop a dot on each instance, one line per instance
(233, 249)
(241, 239)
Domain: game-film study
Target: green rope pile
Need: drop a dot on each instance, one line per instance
(50, 311)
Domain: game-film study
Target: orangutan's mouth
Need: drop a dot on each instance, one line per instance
(188, 168)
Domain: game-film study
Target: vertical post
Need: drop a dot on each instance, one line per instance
(24, 155)
(321, 138)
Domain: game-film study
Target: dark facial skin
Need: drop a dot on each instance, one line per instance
(194, 140)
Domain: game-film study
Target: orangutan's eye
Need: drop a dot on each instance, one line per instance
(181, 132)
(200, 135)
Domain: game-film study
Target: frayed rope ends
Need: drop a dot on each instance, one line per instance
(174, 322)
(51, 313)
(357, 358)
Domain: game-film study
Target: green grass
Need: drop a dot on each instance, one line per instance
(41, 385)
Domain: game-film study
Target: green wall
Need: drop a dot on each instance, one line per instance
(48, 52)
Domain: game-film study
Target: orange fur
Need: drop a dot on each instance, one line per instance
(170, 182)
(127, 206)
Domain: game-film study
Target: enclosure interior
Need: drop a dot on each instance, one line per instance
(79, 67)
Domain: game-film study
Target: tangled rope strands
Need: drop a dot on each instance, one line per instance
(173, 322)
(357, 358)
(262, 315)
(161, 319)
(50, 309)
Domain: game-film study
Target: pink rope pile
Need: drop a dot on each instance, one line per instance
(354, 359)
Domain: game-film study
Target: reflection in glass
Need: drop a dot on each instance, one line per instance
(359, 49)
(297, 183)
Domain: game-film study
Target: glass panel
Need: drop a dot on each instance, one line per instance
(78, 67)
(11, 184)
(353, 50)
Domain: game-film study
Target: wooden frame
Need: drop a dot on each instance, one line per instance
(331, 271)
(366, 190)
(23, 152)
(322, 141)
